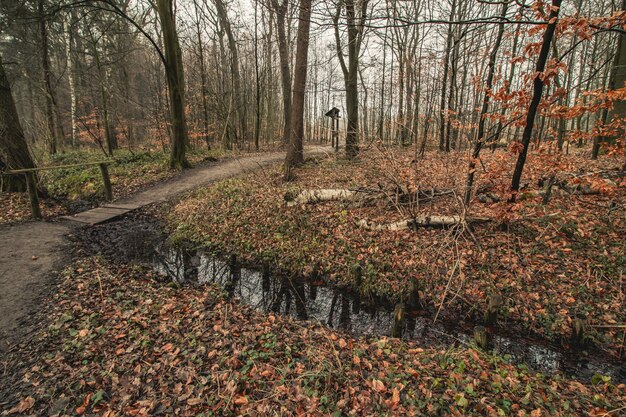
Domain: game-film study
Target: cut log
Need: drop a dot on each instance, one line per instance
(423, 221)
(318, 196)
(363, 196)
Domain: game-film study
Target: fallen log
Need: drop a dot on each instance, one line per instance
(362, 195)
(318, 196)
(423, 221)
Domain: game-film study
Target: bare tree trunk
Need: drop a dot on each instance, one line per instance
(296, 131)
(285, 72)
(537, 92)
(257, 121)
(350, 71)
(70, 79)
(616, 80)
(480, 139)
(203, 80)
(175, 83)
(442, 107)
(239, 99)
(45, 64)
(12, 140)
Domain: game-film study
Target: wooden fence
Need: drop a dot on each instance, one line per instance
(31, 183)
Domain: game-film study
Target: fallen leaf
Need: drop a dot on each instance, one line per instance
(378, 385)
(241, 400)
(24, 405)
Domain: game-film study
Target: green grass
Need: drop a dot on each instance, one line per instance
(130, 171)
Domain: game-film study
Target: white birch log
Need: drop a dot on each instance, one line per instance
(318, 196)
(422, 221)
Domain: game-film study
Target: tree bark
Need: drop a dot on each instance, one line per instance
(296, 131)
(537, 92)
(446, 63)
(350, 70)
(285, 72)
(175, 83)
(203, 80)
(480, 136)
(45, 65)
(13, 144)
(70, 80)
(239, 99)
(616, 80)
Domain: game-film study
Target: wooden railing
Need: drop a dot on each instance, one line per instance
(31, 183)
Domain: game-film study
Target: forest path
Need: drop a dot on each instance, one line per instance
(32, 253)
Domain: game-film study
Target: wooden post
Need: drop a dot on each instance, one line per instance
(108, 189)
(336, 133)
(399, 317)
(548, 189)
(578, 330)
(413, 301)
(357, 273)
(480, 337)
(31, 187)
(493, 307)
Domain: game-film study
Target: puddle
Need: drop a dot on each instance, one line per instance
(360, 317)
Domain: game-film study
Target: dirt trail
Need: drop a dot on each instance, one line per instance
(31, 252)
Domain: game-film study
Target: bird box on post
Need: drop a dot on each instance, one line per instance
(334, 126)
(333, 113)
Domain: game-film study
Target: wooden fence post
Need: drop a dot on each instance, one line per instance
(108, 188)
(480, 337)
(31, 187)
(399, 317)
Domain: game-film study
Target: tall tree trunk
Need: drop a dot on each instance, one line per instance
(381, 118)
(104, 98)
(511, 75)
(45, 65)
(203, 79)
(537, 92)
(296, 131)
(351, 70)
(616, 80)
(257, 120)
(446, 63)
(12, 140)
(238, 99)
(480, 135)
(70, 79)
(285, 72)
(175, 83)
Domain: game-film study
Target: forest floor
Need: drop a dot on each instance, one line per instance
(548, 263)
(76, 189)
(121, 340)
(116, 338)
(31, 251)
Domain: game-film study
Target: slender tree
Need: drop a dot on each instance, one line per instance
(296, 132)
(175, 83)
(355, 22)
(280, 9)
(480, 139)
(617, 78)
(538, 83)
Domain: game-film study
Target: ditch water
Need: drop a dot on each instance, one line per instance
(360, 317)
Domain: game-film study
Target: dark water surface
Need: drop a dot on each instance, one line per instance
(347, 311)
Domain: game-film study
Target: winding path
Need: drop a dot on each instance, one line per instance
(31, 253)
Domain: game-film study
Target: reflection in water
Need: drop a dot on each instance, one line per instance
(348, 312)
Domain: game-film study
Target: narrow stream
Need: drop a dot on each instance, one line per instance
(346, 311)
